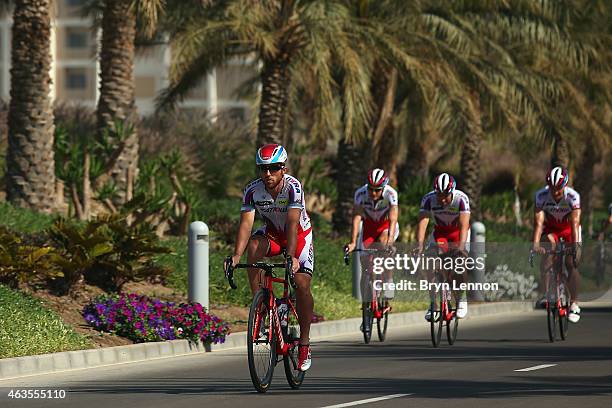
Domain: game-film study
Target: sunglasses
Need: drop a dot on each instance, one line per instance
(375, 189)
(272, 169)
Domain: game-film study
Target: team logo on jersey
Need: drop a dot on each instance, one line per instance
(264, 203)
(283, 201)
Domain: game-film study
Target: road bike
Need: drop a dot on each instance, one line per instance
(558, 296)
(272, 336)
(443, 306)
(376, 307)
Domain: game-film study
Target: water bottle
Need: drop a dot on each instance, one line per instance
(283, 311)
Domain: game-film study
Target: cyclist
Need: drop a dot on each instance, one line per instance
(556, 216)
(376, 204)
(450, 209)
(279, 199)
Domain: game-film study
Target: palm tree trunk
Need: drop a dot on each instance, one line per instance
(416, 165)
(30, 159)
(273, 118)
(383, 132)
(116, 101)
(470, 157)
(584, 181)
(560, 151)
(351, 172)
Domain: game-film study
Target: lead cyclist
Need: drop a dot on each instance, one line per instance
(279, 199)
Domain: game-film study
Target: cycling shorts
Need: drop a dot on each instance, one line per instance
(562, 231)
(373, 229)
(442, 237)
(304, 250)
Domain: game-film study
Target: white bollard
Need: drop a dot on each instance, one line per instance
(477, 249)
(198, 263)
(356, 266)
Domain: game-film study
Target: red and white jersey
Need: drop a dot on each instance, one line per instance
(274, 212)
(376, 210)
(446, 218)
(557, 213)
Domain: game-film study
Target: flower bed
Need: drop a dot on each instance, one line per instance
(142, 319)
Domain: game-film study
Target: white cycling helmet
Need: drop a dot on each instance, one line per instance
(557, 178)
(444, 184)
(271, 154)
(377, 179)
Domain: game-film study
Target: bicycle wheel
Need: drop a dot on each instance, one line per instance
(294, 376)
(565, 310)
(381, 324)
(452, 325)
(551, 315)
(261, 347)
(367, 321)
(437, 321)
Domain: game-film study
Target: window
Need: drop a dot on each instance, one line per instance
(77, 38)
(76, 78)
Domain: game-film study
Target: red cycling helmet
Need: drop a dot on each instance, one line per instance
(271, 154)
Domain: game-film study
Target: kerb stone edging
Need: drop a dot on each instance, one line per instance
(74, 360)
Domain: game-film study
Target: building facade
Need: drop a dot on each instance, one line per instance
(75, 69)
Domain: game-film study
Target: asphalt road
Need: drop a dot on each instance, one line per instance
(478, 371)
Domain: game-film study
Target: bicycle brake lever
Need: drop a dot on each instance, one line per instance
(229, 272)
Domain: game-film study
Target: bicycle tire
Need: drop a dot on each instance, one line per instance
(367, 321)
(260, 312)
(565, 306)
(291, 332)
(382, 323)
(452, 326)
(436, 326)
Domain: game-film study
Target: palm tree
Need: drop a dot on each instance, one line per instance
(30, 163)
(287, 41)
(119, 23)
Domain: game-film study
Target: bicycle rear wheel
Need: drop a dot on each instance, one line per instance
(367, 321)
(381, 324)
(436, 321)
(565, 310)
(294, 376)
(261, 346)
(452, 325)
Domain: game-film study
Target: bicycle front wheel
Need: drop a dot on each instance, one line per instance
(452, 325)
(261, 342)
(564, 312)
(382, 322)
(294, 376)
(437, 320)
(367, 321)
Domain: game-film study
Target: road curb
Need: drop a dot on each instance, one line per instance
(80, 359)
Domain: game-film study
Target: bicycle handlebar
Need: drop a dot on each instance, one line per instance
(566, 250)
(229, 269)
(386, 250)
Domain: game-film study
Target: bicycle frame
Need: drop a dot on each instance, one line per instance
(268, 285)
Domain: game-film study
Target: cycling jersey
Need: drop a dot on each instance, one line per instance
(274, 214)
(557, 214)
(376, 210)
(376, 219)
(446, 218)
(446, 228)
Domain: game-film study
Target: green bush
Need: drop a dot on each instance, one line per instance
(27, 328)
(106, 251)
(21, 263)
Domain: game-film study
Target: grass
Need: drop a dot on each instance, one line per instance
(27, 328)
(24, 220)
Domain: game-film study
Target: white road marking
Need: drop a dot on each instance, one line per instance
(538, 367)
(366, 401)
